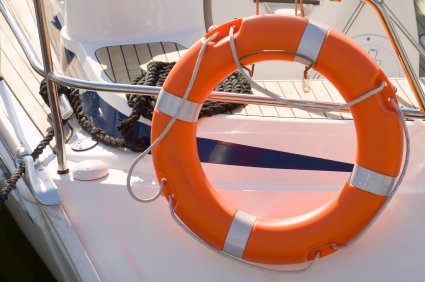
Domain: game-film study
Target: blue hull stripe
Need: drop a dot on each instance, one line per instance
(213, 151)
(219, 152)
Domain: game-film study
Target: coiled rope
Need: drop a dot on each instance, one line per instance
(142, 106)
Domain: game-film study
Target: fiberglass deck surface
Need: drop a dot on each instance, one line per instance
(123, 63)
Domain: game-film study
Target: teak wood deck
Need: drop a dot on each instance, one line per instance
(123, 63)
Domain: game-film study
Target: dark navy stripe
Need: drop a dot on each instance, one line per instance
(56, 23)
(212, 151)
(219, 152)
(69, 55)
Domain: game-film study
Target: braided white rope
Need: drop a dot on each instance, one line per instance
(233, 258)
(279, 98)
(396, 185)
(163, 181)
(167, 128)
(329, 109)
(261, 89)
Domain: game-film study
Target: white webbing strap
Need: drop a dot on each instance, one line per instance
(238, 234)
(311, 42)
(370, 181)
(169, 104)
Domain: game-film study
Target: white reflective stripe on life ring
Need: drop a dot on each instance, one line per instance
(370, 181)
(238, 234)
(311, 42)
(169, 104)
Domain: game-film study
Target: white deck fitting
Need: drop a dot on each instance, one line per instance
(123, 63)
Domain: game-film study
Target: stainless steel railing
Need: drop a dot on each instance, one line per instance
(382, 11)
(53, 78)
(51, 86)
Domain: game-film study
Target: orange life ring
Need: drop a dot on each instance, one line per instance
(279, 240)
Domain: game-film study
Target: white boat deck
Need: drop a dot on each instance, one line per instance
(121, 63)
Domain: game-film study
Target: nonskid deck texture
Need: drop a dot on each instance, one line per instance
(123, 63)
